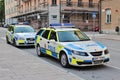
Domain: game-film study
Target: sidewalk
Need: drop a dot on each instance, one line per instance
(16, 64)
(104, 36)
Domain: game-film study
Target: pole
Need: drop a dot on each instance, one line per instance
(99, 8)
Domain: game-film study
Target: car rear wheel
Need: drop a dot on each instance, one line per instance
(64, 60)
(7, 40)
(38, 51)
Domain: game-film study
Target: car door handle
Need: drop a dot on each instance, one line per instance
(48, 42)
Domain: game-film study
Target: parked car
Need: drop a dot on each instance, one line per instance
(20, 35)
(70, 45)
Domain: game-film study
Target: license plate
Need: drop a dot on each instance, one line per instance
(98, 60)
(30, 41)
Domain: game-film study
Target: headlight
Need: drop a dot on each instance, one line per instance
(106, 51)
(80, 53)
(21, 38)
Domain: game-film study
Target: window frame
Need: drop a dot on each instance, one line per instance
(108, 16)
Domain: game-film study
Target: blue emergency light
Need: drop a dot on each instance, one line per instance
(20, 23)
(55, 25)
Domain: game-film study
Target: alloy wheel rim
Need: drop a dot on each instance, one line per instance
(38, 50)
(63, 59)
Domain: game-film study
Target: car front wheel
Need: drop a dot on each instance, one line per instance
(64, 60)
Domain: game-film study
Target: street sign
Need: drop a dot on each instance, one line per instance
(94, 15)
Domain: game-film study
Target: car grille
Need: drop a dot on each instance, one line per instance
(30, 39)
(96, 53)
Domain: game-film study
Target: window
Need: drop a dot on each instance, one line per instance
(53, 36)
(45, 34)
(85, 17)
(40, 32)
(54, 2)
(90, 3)
(80, 3)
(72, 36)
(108, 16)
(68, 3)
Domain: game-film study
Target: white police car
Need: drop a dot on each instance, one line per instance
(70, 46)
(20, 35)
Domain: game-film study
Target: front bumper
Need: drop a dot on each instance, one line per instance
(88, 61)
(25, 43)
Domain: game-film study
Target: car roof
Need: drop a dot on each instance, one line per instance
(60, 29)
(21, 25)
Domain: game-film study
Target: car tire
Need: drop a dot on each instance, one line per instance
(7, 40)
(64, 60)
(38, 51)
(14, 43)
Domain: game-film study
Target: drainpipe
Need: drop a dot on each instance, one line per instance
(100, 16)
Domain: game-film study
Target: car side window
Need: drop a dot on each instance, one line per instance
(40, 32)
(9, 28)
(45, 34)
(53, 35)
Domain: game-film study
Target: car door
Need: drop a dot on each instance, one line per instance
(44, 40)
(52, 44)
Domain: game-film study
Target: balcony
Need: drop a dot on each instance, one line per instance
(83, 6)
(17, 4)
(43, 6)
(25, 0)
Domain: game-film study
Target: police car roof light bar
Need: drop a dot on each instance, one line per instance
(62, 25)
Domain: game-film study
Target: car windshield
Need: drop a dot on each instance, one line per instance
(72, 36)
(23, 29)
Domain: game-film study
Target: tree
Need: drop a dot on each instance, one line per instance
(2, 11)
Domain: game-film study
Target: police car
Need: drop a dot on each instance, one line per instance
(70, 46)
(20, 35)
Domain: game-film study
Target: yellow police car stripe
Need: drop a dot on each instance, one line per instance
(38, 39)
(74, 61)
(49, 52)
(21, 41)
(12, 37)
(59, 48)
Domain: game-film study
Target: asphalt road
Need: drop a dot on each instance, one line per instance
(110, 71)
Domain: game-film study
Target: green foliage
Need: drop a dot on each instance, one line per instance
(2, 12)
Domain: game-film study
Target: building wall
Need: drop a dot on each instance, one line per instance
(113, 5)
(75, 12)
(10, 11)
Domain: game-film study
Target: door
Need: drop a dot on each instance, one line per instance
(44, 41)
(52, 44)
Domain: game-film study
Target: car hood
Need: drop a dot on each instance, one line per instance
(25, 35)
(89, 46)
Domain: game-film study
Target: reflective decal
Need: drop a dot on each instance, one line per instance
(74, 46)
(100, 44)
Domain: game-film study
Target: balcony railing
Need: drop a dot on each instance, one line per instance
(43, 6)
(79, 5)
(85, 26)
(25, 0)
